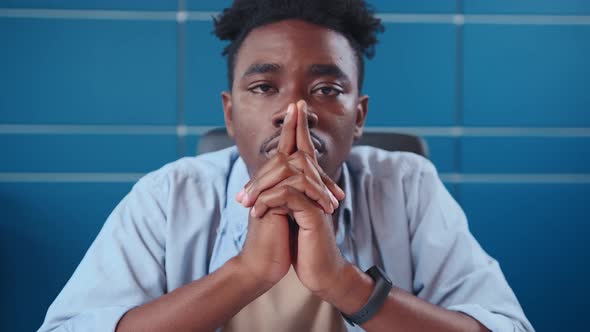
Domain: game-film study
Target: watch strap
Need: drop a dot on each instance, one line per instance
(382, 287)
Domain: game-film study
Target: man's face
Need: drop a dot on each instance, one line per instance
(285, 62)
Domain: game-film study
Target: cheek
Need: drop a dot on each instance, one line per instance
(340, 106)
(250, 126)
(339, 121)
(250, 116)
(258, 106)
(249, 148)
(339, 138)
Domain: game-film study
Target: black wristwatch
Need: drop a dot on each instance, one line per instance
(382, 287)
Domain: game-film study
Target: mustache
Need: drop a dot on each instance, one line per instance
(277, 134)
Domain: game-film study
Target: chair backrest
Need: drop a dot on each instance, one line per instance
(395, 142)
(217, 139)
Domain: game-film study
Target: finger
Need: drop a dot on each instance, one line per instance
(287, 142)
(303, 136)
(332, 186)
(312, 189)
(286, 197)
(301, 183)
(266, 181)
(275, 162)
(303, 162)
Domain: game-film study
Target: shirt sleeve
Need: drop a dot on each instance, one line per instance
(123, 268)
(451, 268)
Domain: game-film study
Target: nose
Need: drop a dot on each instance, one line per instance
(279, 118)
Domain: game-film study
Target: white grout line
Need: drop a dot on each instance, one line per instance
(487, 178)
(516, 178)
(526, 132)
(528, 19)
(92, 14)
(182, 130)
(421, 131)
(70, 177)
(87, 129)
(418, 18)
(199, 130)
(486, 131)
(183, 16)
(201, 16)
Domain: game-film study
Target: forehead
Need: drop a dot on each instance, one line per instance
(296, 43)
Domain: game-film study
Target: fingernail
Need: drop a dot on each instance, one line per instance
(340, 190)
(333, 198)
(240, 195)
(302, 104)
(245, 198)
(289, 112)
(253, 212)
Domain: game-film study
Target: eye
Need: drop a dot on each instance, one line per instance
(262, 89)
(327, 91)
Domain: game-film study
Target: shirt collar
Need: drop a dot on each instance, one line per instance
(345, 212)
(236, 216)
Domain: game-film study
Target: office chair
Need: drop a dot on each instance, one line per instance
(217, 139)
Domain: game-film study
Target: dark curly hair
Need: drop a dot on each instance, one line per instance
(354, 19)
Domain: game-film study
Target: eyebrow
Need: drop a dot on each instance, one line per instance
(328, 70)
(262, 68)
(314, 70)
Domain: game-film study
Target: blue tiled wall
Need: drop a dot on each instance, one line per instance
(87, 71)
(45, 230)
(205, 75)
(538, 233)
(533, 155)
(407, 85)
(534, 75)
(95, 93)
(552, 7)
(86, 153)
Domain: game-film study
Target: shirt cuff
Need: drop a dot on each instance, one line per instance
(493, 322)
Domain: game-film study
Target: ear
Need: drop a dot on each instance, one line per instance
(361, 115)
(227, 112)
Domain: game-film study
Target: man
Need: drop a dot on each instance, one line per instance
(223, 239)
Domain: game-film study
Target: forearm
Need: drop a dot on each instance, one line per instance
(401, 311)
(202, 305)
(406, 312)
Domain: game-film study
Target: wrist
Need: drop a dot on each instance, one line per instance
(246, 277)
(351, 291)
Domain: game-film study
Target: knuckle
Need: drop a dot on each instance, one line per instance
(290, 166)
(289, 191)
(282, 156)
(262, 199)
(252, 189)
(302, 156)
(302, 179)
(285, 171)
(295, 162)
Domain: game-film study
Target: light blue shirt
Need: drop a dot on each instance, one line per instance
(182, 222)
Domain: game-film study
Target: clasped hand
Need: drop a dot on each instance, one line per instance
(291, 185)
